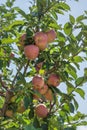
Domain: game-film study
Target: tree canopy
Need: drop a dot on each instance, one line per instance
(37, 56)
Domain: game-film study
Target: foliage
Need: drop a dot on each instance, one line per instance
(62, 57)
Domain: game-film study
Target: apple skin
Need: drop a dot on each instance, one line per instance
(53, 80)
(31, 51)
(49, 95)
(41, 111)
(38, 82)
(43, 90)
(40, 39)
(51, 35)
(9, 113)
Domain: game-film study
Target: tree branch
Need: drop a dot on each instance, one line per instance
(2, 83)
(26, 67)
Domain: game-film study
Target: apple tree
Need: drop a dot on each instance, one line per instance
(37, 57)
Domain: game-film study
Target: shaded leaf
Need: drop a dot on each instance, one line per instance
(79, 81)
(71, 107)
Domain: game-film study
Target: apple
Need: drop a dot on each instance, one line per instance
(31, 51)
(43, 90)
(51, 35)
(9, 113)
(41, 111)
(53, 80)
(40, 39)
(38, 82)
(49, 95)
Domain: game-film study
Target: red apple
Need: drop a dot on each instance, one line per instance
(53, 80)
(41, 40)
(38, 82)
(43, 90)
(41, 111)
(31, 51)
(51, 35)
(49, 95)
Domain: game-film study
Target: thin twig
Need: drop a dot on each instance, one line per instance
(13, 82)
(26, 67)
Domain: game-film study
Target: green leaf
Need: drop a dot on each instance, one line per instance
(44, 126)
(78, 59)
(70, 87)
(36, 123)
(79, 81)
(71, 72)
(71, 107)
(64, 6)
(15, 23)
(8, 40)
(70, 128)
(1, 64)
(75, 103)
(72, 19)
(27, 101)
(31, 113)
(68, 28)
(80, 92)
(20, 11)
(80, 18)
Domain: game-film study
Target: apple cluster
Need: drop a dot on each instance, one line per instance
(43, 88)
(31, 51)
(41, 41)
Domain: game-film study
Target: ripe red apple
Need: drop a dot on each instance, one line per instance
(53, 80)
(41, 111)
(38, 82)
(41, 40)
(43, 90)
(31, 51)
(48, 95)
(51, 34)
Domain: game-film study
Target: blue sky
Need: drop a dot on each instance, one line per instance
(77, 8)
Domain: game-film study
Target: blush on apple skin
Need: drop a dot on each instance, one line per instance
(38, 82)
(41, 111)
(40, 39)
(53, 80)
(51, 35)
(31, 51)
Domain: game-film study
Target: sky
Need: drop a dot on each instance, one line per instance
(77, 8)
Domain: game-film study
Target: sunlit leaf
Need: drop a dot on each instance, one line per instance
(67, 28)
(80, 92)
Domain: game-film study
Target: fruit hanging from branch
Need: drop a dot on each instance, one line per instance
(53, 80)
(51, 35)
(31, 51)
(40, 39)
(38, 82)
(41, 111)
